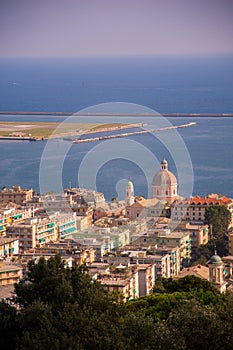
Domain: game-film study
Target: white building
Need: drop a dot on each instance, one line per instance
(164, 184)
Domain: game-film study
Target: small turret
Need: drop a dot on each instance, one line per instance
(216, 272)
(129, 193)
(164, 164)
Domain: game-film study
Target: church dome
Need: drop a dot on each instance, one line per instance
(164, 177)
(164, 184)
(215, 259)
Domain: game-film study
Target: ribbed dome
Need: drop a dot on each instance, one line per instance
(164, 177)
(215, 259)
(164, 184)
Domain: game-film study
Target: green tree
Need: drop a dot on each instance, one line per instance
(8, 326)
(197, 325)
(186, 284)
(62, 308)
(36, 328)
(225, 313)
(219, 217)
(159, 286)
(205, 251)
(65, 308)
(144, 332)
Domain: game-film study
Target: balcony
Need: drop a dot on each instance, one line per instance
(45, 230)
(67, 231)
(69, 223)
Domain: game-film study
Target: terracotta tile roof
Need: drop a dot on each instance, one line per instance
(198, 271)
(212, 199)
(220, 200)
(146, 202)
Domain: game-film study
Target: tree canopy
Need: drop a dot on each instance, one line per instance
(205, 251)
(219, 217)
(63, 308)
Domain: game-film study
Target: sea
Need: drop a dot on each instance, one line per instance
(174, 84)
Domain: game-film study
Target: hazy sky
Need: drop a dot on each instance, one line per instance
(115, 27)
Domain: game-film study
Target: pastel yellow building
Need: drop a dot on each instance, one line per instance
(16, 194)
(125, 283)
(3, 224)
(230, 243)
(9, 247)
(33, 232)
(9, 274)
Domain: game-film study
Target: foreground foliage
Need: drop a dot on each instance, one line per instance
(219, 217)
(62, 308)
(205, 251)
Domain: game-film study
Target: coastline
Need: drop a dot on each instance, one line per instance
(39, 131)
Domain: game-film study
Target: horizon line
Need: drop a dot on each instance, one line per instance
(200, 54)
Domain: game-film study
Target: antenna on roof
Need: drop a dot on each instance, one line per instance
(215, 249)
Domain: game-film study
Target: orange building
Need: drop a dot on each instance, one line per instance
(193, 209)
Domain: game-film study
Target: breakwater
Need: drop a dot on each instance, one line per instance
(133, 133)
(17, 138)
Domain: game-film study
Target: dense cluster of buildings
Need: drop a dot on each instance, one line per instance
(125, 244)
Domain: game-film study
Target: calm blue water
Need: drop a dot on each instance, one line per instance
(179, 85)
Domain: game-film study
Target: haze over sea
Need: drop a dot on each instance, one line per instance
(187, 84)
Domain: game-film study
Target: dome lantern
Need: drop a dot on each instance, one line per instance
(164, 164)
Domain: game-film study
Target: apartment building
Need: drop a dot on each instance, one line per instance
(33, 232)
(16, 195)
(9, 247)
(193, 209)
(9, 274)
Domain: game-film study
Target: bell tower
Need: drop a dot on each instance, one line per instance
(216, 272)
(129, 193)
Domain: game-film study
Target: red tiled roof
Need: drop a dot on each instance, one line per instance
(221, 200)
(207, 200)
